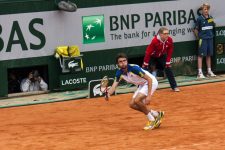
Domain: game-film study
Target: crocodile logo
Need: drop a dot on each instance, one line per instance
(72, 64)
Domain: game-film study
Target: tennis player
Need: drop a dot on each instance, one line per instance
(147, 84)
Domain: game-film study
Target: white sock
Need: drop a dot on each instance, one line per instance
(209, 70)
(154, 113)
(150, 117)
(200, 71)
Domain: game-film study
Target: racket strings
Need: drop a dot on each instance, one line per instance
(104, 84)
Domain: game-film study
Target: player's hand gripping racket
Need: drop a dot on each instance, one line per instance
(104, 86)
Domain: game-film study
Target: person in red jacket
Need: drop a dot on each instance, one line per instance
(159, 53)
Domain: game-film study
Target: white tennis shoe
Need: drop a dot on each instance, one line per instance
(200, 76)
(150, 125)
(211, 74)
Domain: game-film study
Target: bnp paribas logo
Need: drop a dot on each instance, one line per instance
(93, 29)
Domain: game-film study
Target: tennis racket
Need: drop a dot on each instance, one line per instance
(104, 86)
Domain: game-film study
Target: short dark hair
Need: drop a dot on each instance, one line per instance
(35, 73)
(120, 55)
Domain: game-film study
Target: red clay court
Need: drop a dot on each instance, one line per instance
(194, 120)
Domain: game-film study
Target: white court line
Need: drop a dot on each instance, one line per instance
(186, 146)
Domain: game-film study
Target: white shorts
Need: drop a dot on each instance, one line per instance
(144, 88)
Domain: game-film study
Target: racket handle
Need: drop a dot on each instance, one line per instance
(106, 95)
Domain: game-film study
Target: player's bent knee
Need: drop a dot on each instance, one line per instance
(137, 100)
(132, 104)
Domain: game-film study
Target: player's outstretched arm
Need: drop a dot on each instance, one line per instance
(113, 88)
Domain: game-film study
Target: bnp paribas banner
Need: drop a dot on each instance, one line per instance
(99, 28)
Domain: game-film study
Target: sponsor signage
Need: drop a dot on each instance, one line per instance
(94, 88)
(37, 34)
(93, 29)
(73, 64)
(219, 55)
(72, 81)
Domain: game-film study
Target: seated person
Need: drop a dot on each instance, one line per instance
(13, 83)
(33, 83)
